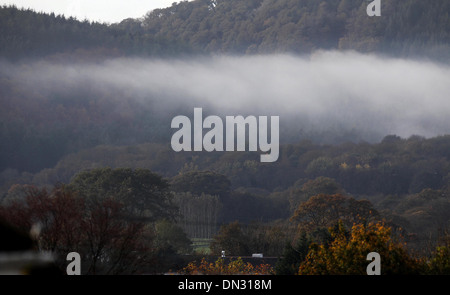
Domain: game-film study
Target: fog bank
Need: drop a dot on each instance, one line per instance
(367, 94)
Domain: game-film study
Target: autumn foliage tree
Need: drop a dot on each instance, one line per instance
(230, 239)
(325, 210)
(55, 215)
(439, 263)
(220, 267)
(107, 240)
(346, 254)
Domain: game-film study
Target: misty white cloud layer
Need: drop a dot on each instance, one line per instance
(328, 89)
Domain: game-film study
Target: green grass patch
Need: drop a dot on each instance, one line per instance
(201, 245)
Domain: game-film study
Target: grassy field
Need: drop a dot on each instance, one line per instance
(201, 246)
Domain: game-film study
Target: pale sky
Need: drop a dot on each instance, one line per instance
(109, 11)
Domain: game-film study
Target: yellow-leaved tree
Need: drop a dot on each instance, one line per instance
(347, 252)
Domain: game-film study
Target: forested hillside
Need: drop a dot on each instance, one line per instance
(412, 28)
(29, 34)
(406, 28)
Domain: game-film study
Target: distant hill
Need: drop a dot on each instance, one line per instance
(48, 112)
(28, 34)
(409, 28)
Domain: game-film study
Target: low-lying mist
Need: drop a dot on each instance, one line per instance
(363, 96)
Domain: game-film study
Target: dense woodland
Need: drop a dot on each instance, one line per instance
(93, 168)
(262, 26)
(250, 207)
(411, 28)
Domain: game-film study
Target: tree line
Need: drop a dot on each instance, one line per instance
(412, 28)
(26, 34)
(405, 179)
(127, 220)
